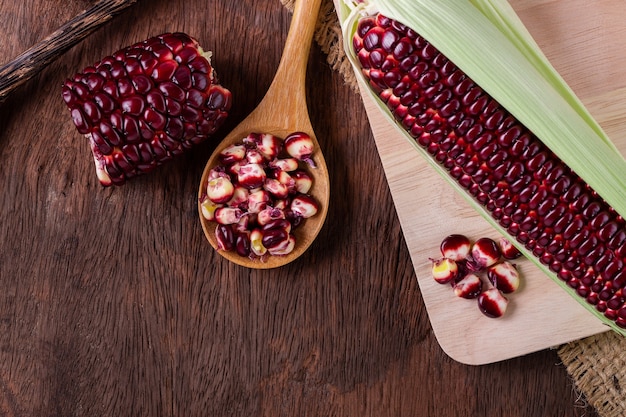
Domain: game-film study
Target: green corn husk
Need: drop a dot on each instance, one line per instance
(487, 40)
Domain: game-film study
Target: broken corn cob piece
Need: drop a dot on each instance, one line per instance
(531, 193)
(145, 104)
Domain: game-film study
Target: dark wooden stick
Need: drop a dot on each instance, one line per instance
(33, 60)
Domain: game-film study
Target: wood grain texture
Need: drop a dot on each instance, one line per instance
(37, 57)
(113, 303)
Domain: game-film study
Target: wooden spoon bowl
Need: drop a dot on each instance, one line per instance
(282, 111)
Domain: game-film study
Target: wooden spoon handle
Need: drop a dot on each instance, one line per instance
(284, 102)
(33, 60)
(291, 72)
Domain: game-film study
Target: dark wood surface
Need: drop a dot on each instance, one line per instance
(112, 303)
(23, 67)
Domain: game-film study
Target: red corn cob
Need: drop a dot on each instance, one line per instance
(145, 104)
(510, 172)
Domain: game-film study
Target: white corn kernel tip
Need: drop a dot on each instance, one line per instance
(227, 215)
(232, 154)
(220, 189)
(287, 180)
(285, 164)
(504, 276)
(269, 145)
(304, 206)
(283, 248)
(251, 175)
(444, 270)
(240, 197)
(470, 286)
(269, 214)
(276, 188)
(455, 247)
(282, 204)
(492, 303)
(300, 146)
(208, 208)
(258, 200)
(254, 156)
(303, 181)
(256, 243)
(484, 253)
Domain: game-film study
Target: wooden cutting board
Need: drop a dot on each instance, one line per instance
(587, 45)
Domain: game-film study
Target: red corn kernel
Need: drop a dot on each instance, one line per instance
(227, 215)
(220, 189)
(504, 276)
(242, 243)
(284, 247)
(232, 153)
(251, 176)
(492, 303)
(276, 188)
(455, 247)
(269, 215)
(225, 237)
(268, 144)
(484, 253)
(470, 286)
(278, 223)
(274, 237)
(258, 200)
(304, 206)
(285, 164)
(300, 146)
(240, 197)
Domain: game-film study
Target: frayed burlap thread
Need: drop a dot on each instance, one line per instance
(597, 364)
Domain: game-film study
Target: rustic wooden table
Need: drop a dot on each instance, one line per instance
(112, 303)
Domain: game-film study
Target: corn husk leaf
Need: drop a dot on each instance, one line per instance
(502, 15)
(487, 40)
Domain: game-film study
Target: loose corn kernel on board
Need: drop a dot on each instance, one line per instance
(588, 47)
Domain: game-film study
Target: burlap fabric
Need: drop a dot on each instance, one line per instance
(597, 364)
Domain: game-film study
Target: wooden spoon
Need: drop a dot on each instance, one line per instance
(283, 110)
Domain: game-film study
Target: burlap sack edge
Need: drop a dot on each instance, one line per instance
(597, 364)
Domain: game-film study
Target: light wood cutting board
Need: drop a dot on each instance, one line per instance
(586, 42)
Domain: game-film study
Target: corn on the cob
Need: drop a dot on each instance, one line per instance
(145, 104)
(523, 185)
